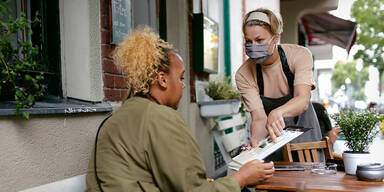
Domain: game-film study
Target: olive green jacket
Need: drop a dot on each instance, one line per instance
(148, 147)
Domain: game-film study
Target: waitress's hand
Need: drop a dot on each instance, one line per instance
(275, 124)
(253, 143)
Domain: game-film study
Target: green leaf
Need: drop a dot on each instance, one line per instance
(19, 93)
(31, 100)
(16, 112)
(39, 77)
(18, 67)
(25, 115)
(28, 77)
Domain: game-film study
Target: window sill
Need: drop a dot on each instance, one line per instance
(56, 106)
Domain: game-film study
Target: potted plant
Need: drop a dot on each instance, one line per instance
(21, 66)
(225, 99)
(359, 130)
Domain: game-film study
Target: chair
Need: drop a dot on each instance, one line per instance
(308, 151)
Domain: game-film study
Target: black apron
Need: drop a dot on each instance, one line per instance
(306, 119)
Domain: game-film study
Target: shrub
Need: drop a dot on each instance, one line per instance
(359, 128)
(222, 89)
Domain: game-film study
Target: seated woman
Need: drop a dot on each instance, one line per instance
(325, 122)
(146, 145)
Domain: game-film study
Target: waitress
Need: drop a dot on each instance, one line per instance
(276, 81)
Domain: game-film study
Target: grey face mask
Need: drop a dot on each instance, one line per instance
(259, 53)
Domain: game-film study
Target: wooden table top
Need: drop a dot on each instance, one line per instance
(288, 180)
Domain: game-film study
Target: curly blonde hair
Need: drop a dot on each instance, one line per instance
(140, 56)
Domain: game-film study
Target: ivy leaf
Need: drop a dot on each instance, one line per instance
(16, 112)
(31, 99)
(25, 115)
(27, 77)
(19, 93)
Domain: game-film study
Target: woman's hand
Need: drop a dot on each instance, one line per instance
(333, 134)
(258, 131)
(254, 172)
(252, 144)
(275, 124)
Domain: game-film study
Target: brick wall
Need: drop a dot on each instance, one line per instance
(115, 87)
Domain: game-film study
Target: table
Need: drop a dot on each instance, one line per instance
(289, 180)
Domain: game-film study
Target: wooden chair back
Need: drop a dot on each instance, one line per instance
(308, 151)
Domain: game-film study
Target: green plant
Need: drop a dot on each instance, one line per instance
(19, 61)
(359, 128)
(344, 70)
(221, 89)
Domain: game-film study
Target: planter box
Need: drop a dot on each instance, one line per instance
(219, 107)
(235, 138)
(234, 121)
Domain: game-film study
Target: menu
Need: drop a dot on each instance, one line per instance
(266, 147)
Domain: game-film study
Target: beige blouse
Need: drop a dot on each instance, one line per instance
(275, 83)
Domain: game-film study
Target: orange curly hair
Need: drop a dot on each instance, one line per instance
(140, 56)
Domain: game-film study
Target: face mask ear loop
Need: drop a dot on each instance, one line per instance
(274, 46)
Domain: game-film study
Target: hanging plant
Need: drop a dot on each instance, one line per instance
(222, 89)
(21, 67)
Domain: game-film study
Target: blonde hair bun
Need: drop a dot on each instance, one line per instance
(139, 57)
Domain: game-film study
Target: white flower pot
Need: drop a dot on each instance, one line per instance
(351, 160)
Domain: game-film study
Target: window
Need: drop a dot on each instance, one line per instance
(71, 54)
(45, 36)
(151, 13)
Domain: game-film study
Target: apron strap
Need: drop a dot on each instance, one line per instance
(288, 73)
(260, 81)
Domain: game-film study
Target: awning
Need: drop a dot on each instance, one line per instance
(323, 28)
